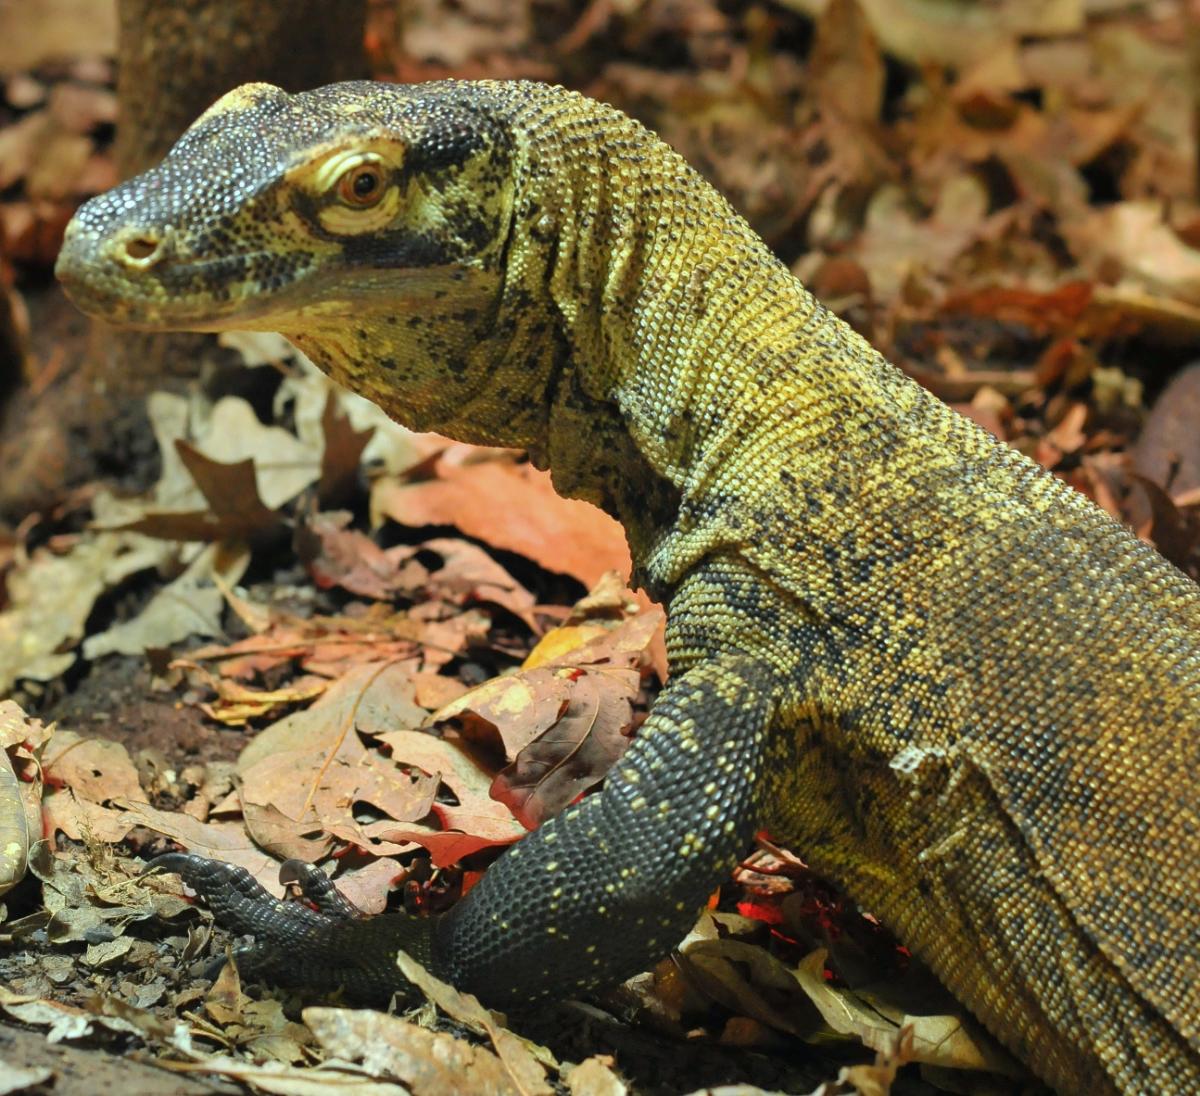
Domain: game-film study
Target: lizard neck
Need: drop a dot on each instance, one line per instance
(684, 339)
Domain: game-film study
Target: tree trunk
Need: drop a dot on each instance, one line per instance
(174, 60)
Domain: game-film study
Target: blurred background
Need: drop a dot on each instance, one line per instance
(1000, 194)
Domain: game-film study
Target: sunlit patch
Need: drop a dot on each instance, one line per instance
(240, 99)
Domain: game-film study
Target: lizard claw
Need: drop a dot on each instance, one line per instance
(329, 946)
(239, 902)
(319, 889)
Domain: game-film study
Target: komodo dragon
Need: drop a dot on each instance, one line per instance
(951, 682)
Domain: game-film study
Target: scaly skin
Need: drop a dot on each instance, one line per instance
(951, 682)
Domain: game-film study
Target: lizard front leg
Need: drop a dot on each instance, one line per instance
(593, 896)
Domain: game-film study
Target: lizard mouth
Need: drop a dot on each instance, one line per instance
(135, 280)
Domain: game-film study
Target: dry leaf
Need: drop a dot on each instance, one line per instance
(1137, 237)
(846, 67)
(338, 556)
(88, 774)
(22, 740)
(305, 777)
(468, 574)
(31, 34)
(527, 1070)
(595, 1077)
(562, 723)
(190, 605)
(428, 1063)
(1168, 450)
(342, 453)
(476, 822)
(955, 34)
(234, 511)
(51, 596)
(226, 841)
(510, 506)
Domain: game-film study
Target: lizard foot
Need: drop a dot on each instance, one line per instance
(331, 946)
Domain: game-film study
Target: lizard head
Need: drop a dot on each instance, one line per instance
(273, 209)
(366, 222)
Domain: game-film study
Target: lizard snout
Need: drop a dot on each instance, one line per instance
(117, 277)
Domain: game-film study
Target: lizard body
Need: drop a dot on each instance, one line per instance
(950, 681)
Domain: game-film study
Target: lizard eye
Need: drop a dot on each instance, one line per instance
(362, 186)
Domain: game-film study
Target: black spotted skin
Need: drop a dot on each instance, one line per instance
(952, 683)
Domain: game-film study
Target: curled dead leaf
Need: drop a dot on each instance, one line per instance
(511, 506)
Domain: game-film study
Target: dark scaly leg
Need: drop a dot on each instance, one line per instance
(593, 896)
(611, 885)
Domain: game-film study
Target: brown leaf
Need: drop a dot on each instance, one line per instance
(469, 574)
(846, 66)
(514, 507)
(79, 108)
(231, 491)
(943, 1040)
(448, 846)
(1168, 450)
(586, 740)
(80, 819)
(305, 777)
(50, 597)
(281, 1079)
(18, 146)
(54, 174)
(235, 509)
(512, 710)
(226, 841)
(31, 34)
(1172, 531)
(595, 1077)
(433, 690)
(1057, 312)
(428, 1063)
(189, 605)
(95, 769)
(341, 456)
(332, 646)
(21, 739)
(527, 1072)
(245, 659)
(877, 1078)
(476, 822)
(367, 886)
(225, 1003)
(338, 556)
(563, 720)
(1138, 239)
(927, 31)
(238, 703)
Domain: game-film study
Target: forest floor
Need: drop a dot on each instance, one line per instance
(274, 624)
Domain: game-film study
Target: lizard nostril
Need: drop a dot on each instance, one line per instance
(140, 250)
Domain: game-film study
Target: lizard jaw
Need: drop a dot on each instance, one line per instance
(138, 279)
